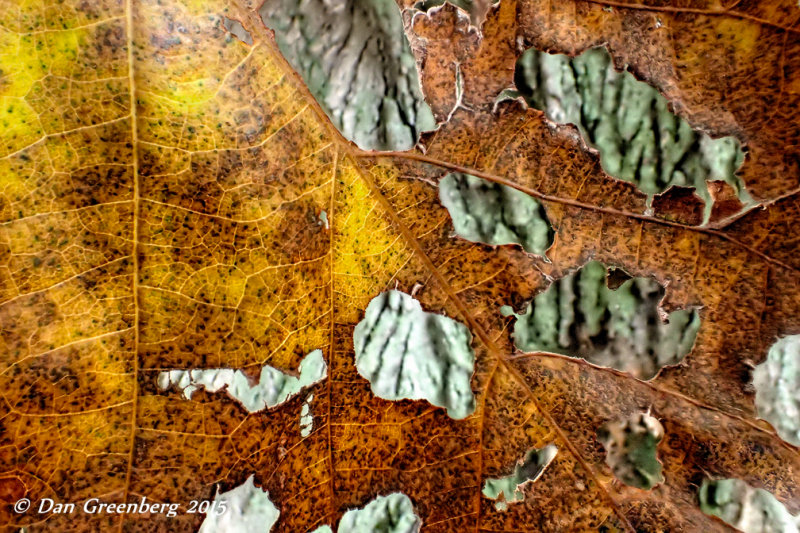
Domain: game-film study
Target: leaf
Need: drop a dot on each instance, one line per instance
(174, 198)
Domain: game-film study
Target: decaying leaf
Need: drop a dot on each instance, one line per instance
(174, 199)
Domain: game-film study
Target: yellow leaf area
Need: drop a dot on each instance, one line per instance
(162, 190)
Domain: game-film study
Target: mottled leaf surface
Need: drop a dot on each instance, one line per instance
(173, 198)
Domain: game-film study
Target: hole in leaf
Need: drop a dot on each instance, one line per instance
(356, 61)
(306, 418)
(777, 384)
(495, 214)
(580, 316)
(323, 219)
(273, 387)
(631, 449)
(407, 353)
(393, 513)
(746, 508)
(509, 489)
(244, 508)
(628, 121)
(237, 30)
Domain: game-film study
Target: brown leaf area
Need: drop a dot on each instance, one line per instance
(162, 192)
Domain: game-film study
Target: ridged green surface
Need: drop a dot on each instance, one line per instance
(777, 384)
(273, 388)
(483, 211)
(746, 508)
(580, 316)
(631, 449)
(393, 513)
(355, 58)
(407, 353)
(246, 508)
(639, 139)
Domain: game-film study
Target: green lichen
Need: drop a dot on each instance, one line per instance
(356, 60)
(483, 211)
(746, 508)
(631, 449)
(393, 513)
(777, 384)
(246, 508)
(273, 388)
(407, 353)
(580, 316)
(508, 489)
(306, 418)
(628, 121)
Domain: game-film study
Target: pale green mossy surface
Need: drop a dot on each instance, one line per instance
(628, 121)
(237, 30)
(248, 509)
(306, 418)
(508, 489)
(393, 513)
(777, 384)
(273, 388)
(748, 509)
(356, 60)
(407, 353)
(495, 214)
(631, 453)
(580, 316)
